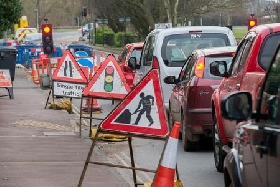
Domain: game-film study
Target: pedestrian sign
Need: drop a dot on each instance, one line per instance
(142, 111)
(5, 78)
(68, 70)
(108, 82)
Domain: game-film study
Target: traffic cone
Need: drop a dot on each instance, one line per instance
(165, 174)
(34, 72)
(102, 58)
(94, 59)
(92, 103)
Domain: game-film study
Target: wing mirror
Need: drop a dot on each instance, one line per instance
(237, 106)
(132, 62)
(218, 68)
(171, 80)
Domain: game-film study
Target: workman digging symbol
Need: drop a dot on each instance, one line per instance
(146, 103)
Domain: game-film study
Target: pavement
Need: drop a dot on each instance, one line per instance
(41, 147)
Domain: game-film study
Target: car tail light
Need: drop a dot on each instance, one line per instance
(199, 67)
(155, 64)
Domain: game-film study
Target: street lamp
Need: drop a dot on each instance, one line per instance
(37, 18)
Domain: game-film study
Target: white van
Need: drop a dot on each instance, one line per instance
(171, 47)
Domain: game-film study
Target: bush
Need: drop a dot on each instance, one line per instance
(114, 39)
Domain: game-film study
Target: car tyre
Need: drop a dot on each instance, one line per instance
(219, 156)
(187, 144)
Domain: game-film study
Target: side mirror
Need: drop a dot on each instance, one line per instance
(237, 106)
(132, 63)
(171, 80)
(218, 68)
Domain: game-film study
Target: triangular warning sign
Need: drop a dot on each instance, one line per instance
(68, 70)
(142, 111)
(108, 82)
(5, 78)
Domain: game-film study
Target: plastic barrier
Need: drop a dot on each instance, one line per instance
(35, 71)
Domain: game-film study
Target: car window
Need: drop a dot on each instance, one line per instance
(136, 53)
(177, 47)
(122, 56)
(235, 67)
(268, 49)
(148, 51)
(271, 95)
(187, 69)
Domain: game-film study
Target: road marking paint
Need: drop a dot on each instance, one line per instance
(125, 164)
(143, 173)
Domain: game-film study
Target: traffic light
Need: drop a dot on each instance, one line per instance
(84, 12)
(47, 38)
(252, 22)
(109, 79)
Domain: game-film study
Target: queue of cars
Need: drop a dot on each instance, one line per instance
(229, 93)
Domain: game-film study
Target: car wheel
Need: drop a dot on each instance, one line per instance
(218, 152)
(187, 144)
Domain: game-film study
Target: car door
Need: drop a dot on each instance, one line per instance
(233, 83)
(185, 83)
(251, 152)
(146, 59)
(177, 92)
(270, 127)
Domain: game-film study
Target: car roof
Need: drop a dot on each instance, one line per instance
(272, 27)
(208, 29)
(215, 50)
(138, 44)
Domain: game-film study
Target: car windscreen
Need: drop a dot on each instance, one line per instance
(177, 47)
(209, 60)
(136, 53)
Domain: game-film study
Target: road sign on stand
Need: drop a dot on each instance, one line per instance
(5, 78)
(108, 82)
(68, 78)
(142, 111)
(68, 70)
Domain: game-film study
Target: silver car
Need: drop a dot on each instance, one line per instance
(169, 48)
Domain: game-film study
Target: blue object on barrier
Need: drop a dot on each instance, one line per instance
(80, 54)
(81, 47)
(85, 62)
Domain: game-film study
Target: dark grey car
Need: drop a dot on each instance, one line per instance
(254, 159)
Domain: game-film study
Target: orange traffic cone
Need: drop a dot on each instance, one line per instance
(94, 59)
(92, 103)
(165, 174)
(34, 72)
(102, 58)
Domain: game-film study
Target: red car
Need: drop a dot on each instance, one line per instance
(130, 50)
(190, 100)
(246, 73)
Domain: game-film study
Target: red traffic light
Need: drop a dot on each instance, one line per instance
(47, 39)
(46, 29)
(252, 22)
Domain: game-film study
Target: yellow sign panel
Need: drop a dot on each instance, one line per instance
(23, 23)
